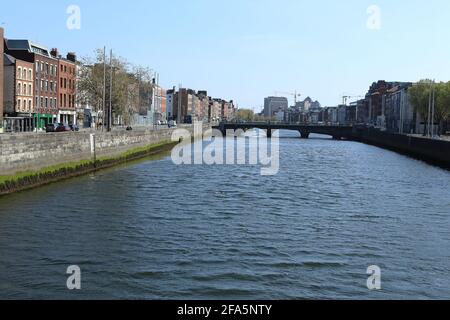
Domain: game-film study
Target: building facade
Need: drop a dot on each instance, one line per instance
(45, 95)
(1, 78)
(275, 105)
(400, 115)
(18, 94)
(67, 90)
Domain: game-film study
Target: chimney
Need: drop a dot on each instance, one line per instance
(71, 56)
(2, 49)
(54, 53)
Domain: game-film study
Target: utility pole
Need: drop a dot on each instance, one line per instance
(429, 111)
(432, 109)
(110, 90)
(179, 103)
(104, 87)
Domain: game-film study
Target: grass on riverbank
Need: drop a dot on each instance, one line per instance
(29, 179)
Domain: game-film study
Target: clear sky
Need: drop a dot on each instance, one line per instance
(248, 49)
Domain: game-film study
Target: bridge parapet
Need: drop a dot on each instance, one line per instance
(336, 131)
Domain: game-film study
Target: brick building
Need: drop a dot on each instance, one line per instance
(46, 78)
(18, 94)
(67, 77)
(1, 78)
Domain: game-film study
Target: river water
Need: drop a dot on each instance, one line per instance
(154, 230)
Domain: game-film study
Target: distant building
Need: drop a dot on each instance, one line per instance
(159, 104)
(400, 115)
(170, 95)
(275, 105)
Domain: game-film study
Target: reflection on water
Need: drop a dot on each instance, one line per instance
(155, 230)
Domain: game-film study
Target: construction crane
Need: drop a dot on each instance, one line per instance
(295, 95)
(346, 98)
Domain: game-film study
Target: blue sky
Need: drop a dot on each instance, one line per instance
(248, 49)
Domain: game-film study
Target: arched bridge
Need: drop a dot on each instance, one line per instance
(336, 131)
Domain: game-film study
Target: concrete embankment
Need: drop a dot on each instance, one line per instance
(433, 151)
(31, 160)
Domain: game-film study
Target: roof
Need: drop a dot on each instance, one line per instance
(26, 45)
(8, 60)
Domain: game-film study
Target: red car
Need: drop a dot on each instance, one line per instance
(63, 128)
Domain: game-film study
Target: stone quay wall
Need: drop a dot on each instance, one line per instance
(35, 151)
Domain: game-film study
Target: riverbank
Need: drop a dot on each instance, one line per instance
(436, 152)
(32, 160)
(28, 180)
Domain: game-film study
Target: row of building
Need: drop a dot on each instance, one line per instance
(277, 108)
(38, 86)
(187, 105)
(386, 106)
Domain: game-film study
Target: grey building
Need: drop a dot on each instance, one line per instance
(399, 113)
(275, 105)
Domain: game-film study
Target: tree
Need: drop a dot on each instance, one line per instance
(131, 85)
(245, 114)
(442, 110)
(419, 95)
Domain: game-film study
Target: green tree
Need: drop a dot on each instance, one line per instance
(419, 95)
(442, 110)
(245, 114)
(131, 85)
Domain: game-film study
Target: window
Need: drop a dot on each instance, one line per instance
(65, 83)
(24, 74)
(18, 103)
(46, 102)
(19, 72)
(37, 66)
(61, 85)
(30, 89)
(24, 89)
(19, 88)
(30, 74)
(29, 105)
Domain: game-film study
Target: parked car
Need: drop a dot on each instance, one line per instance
(51, 127)
(74, 127)
(172, 124)
(62, 127)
